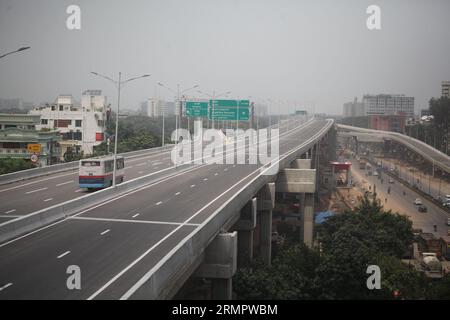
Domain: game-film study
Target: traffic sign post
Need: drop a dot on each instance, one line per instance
(34, 157)
(34, 148)
(196, 109)
(229, 113)
(230, 103)
(229, 110)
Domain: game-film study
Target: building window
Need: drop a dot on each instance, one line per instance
(53, 108)
(61, 107)
(44, 121)
(77, 123)
(62, 123)
(100, 123)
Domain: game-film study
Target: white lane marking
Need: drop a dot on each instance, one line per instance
(79, 190)
(10, 211)
(9, 216)
(141, 164)
(140, 172)
(226, 169)
(137, 214)
(105, 232)
(206, 179)
(49, 199)
(37, 190)
(6, 286)
(134, 221)
(63, 183)
(33, 182)
(216, 174)
(149, 186)
(139, 283)
(101, 204)
(160, 202)
(156, 163)
(177, 193)
(192, 185)
(62, 255)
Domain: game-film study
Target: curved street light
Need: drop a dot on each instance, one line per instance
(18, 50)
(119, 83)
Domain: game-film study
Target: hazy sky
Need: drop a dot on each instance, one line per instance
(317, 50)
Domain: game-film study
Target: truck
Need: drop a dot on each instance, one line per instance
(431, 265)
(429, 243)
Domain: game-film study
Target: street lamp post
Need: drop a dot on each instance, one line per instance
(178, 94)
(214, 96)
(119, 84)
(18, 50)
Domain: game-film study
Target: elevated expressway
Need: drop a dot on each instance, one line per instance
(434, 156)
(147, 242)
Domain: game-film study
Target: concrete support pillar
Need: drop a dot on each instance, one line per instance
(220, 264)
(266, 203)
(266, 236)
(308, 220)
(245, 227)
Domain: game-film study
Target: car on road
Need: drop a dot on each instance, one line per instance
(418, 202)
(391, 180)
(422, 208)
(375, 174)
(446, 203)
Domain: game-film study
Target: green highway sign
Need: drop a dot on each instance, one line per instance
(196, 109)
(229, 113)
(229, 103)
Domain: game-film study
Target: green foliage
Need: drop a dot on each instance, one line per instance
(9, 165)
(135, 133)
(350, 242)
(291, 276)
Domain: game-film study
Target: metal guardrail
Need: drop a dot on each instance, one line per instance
(63, 167)
(27, 223)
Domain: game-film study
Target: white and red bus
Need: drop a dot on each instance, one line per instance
(97, 173)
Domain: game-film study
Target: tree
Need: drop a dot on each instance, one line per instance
(291, 276)
(356, 239)
(440, 109)
(9, 165)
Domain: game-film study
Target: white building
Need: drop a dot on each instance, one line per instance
(353, 109)
(82, 127)
(446, 89)
(154, 108)
(388, 104)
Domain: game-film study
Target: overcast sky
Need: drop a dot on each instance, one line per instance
(291, 50)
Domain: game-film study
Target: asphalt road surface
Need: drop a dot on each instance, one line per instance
(115, 243)
(404, 204)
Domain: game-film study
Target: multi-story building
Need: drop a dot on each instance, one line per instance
(81, 127)
(353, 109)
(389, 104)
(154, 108)
(19, 131)
(445, 89)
